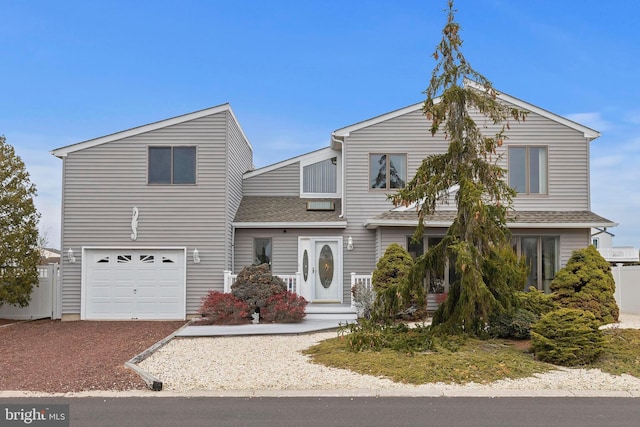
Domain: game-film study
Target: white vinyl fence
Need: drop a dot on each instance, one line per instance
(627, 294)
(42, 297)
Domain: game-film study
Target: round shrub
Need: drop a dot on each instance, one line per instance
(392, 268)
(285, 307)
(567, 337)
(586, 283)
(223, 309)
(515, 325)
(255, 284)
(390, 282)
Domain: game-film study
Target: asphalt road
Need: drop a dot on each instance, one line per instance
(346, 411)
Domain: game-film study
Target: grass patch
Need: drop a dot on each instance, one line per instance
(475, 361)
(621, 352)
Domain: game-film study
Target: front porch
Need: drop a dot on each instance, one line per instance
(345, 312)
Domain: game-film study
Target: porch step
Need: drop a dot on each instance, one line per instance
(343, 312)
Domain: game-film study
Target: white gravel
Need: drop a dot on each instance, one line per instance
(275, 362)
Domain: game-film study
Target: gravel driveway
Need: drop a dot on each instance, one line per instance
(274, 362)
(54, 356)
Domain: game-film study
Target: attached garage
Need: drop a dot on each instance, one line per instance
(124, 284)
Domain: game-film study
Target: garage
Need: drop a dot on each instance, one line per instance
(125, 284)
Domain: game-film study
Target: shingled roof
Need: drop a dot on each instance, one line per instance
(256, 211)
(519, 219)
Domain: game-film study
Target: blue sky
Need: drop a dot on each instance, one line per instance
(295, 70)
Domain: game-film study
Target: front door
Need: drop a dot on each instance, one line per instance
(321, 262)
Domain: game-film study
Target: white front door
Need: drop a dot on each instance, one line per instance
(321, 267)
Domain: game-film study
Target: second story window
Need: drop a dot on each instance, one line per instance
(387, 171)
(528, 169)
(172, 165)
(320, 177)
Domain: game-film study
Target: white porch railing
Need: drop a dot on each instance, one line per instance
(620, 254)
(290, 280)
(356, 279)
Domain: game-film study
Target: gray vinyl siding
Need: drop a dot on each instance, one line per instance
(103, 183)
(405, 134)
(240, 157)
(568, 174)
(284, 181)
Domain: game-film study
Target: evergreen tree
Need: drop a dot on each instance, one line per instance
(19, 254)
(483, 197)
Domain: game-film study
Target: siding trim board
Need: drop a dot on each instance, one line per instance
(341, 224)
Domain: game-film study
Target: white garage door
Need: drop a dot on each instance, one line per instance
(134, 284)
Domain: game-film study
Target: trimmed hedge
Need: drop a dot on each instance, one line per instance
(567, 337)
(586, 283)
(255, 284)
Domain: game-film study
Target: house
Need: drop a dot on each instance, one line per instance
(49, 256)
(602, 239)
(154, 217)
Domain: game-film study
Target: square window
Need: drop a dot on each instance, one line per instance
(172, 165)
(387, 171)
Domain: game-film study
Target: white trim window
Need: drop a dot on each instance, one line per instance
(171, 165)
(387, 171)
(528, 169)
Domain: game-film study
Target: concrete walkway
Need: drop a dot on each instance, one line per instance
(303, 327)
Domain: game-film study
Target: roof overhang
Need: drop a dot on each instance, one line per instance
(588, 133)
(373, 223)
(333, 224)
(63, 151)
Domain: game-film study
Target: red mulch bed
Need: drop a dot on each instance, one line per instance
(54, 356)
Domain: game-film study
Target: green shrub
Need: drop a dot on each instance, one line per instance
(285, 307)
(567, 337)
(372, 336)
(536, 301)
(515, 325)
(392, 268)
(255, 284)
(223, 309)
(390, 281)
(586, 283)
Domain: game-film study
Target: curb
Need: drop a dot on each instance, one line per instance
(152, 382)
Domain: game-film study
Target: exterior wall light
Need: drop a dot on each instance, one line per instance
(196, 256)
(350, 243)
(70, 256)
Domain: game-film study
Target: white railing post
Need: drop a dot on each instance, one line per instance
(297, 283)
(353, 283)
(227, 281)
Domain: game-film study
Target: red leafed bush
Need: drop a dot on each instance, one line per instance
(223, 309)
(284, 307)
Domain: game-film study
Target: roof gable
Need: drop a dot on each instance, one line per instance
(63, 151)
(588, 132)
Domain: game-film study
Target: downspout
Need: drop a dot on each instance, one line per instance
(233, 248)
(343, 185)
